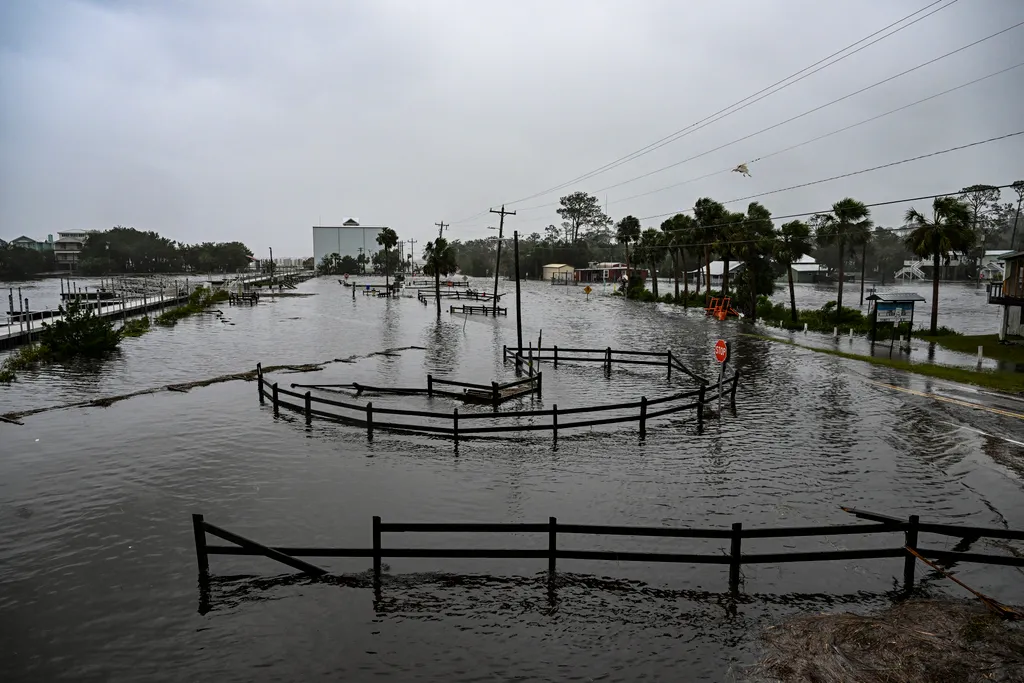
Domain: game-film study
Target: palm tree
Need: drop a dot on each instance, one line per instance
(439, 259)
(729, 233)
(709, 216)
(754, 235)
(679, 233)
(793, 244)
(627, 230)
(649, 251)
(388, 239)
(946, 233)
(849, 224)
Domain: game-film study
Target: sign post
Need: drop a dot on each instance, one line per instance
(722, 356)
(587, 290)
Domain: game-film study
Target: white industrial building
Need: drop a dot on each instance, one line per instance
(348, 239)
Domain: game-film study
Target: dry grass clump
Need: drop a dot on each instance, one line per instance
(917, 641)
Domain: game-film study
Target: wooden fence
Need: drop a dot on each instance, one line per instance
(606, 356)
(494, 394)
(368, 417)
(424, 295)
(478, 310)
(735, 558)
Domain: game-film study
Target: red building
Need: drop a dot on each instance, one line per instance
(606, 272)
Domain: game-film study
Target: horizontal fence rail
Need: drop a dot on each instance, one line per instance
(735, 558)
(606, 356)
(364, 415)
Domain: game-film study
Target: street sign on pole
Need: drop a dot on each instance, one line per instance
(722, 351)
(587, 290)
(722, 356)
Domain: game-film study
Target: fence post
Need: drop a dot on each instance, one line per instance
(259, 381)
(734, 556)
(910, 540)
(700, 407)
(274, 387)
(376, 548)
(430, 386)
(608, 359)
(552, 545)
(309, 408)
(732, 393)
(494, 394)
(504, 352)
(556, 356)
(199, 531)
(669, 363)
(540, 382)
(554, 421)
(455, 425)
(369, 420)
(643, 417)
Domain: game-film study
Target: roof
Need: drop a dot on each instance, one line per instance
(557, 265)
(349, 224)
(806, 258)
(997, 252)
(23, 238)
(1013, 255)
(896, 296)
(718, 266)
(805, 267)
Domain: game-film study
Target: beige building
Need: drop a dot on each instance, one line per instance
(558, 271)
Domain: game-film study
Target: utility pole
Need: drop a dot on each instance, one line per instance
(1019, 189)
(519, 307)
(412, 252)
(501, 226)
(440, 228)
(271, 267)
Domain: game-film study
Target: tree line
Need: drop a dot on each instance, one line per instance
(843, 239)
(127, 250)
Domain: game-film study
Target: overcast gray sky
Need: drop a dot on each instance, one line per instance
(253, 120)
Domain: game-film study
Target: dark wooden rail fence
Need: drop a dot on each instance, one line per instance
(606, 356)
(735, 558)
(365, 419)
(478, 310)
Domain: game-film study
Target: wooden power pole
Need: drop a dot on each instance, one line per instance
(519, 307)
(440, 228)
(497, 260)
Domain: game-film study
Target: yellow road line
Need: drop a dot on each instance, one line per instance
(966, 404)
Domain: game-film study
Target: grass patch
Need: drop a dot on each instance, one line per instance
(990, 344)
(1009, 382)
(198, 301)
(135, 328)
(917, 641)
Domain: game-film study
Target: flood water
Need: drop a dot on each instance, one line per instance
(98, 577)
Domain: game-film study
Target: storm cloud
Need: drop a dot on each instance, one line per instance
(226, 119)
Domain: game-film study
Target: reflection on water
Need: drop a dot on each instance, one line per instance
(97, 562)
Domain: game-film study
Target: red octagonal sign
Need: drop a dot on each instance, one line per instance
(721, 350)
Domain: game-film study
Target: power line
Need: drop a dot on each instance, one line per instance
(815, 109)
(806, 113)
(819, 137)
(738, 106)
(852, 173)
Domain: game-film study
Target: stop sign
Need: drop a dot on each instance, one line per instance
(721, 350)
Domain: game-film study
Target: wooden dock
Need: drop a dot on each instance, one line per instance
(18, 331)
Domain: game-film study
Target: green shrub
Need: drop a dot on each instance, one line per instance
(25, 358)
(135, 328)
(198, 301)
(80, 333)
